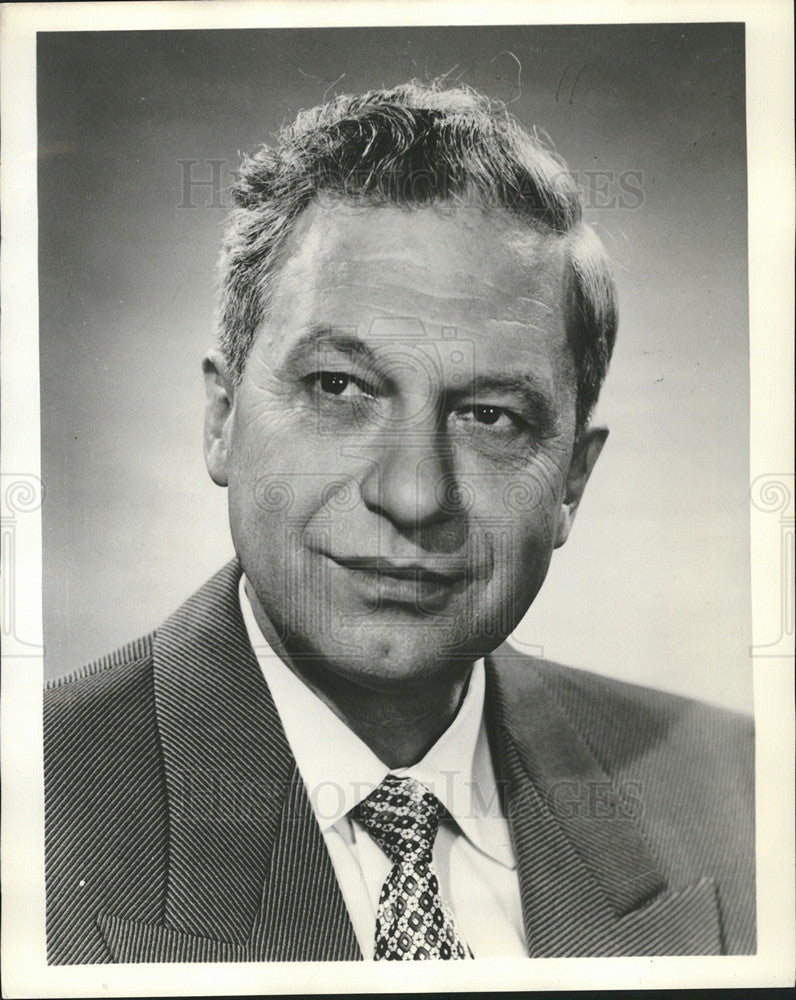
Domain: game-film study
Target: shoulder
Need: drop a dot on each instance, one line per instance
(126, 675)
(621, 721)
(99, 686)
(683, 769)
(136, 652)
(103, 712)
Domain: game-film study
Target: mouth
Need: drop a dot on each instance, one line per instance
(402, 569)
(421, 586)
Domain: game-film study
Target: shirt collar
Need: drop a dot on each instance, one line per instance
(339, 769)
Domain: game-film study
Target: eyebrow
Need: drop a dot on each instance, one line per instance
(341, 338)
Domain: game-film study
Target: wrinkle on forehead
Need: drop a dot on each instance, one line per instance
(494, 258)
(388, 297)
(331, 233)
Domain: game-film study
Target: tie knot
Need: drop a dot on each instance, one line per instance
(402, 815)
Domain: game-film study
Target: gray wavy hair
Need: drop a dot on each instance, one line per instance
(416, 144)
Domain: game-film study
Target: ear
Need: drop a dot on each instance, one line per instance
(219, 403)
(585, 453)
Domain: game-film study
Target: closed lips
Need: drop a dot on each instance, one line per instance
(401, 570)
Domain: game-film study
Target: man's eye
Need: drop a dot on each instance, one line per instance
(488, 415)
(339, 384)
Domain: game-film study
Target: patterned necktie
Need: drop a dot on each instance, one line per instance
(412, 921)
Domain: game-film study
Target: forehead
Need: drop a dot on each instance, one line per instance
(495, 281)
(433, 246)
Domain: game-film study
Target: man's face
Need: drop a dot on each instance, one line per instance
(399, 452)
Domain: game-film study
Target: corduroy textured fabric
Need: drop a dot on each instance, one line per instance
(178, 828)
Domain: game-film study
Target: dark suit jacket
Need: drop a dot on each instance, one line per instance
(178, 828)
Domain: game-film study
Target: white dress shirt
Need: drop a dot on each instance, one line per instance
(473, 856)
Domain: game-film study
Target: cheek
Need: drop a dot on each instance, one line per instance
(269, 463)
(518, 524)
(524, 505)
(522, 555)
(522, 552)
(262, 441)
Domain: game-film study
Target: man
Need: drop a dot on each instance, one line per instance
(327, 752)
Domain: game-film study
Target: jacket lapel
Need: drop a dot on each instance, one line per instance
(588, 882)
(245, 853)
(303, 916)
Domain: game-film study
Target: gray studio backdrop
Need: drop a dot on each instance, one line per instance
(654, 583)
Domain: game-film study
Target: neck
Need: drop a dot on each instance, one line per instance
(399, 723)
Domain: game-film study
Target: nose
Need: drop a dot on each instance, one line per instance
(406, 480)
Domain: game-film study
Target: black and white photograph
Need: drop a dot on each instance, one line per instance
(382, 578)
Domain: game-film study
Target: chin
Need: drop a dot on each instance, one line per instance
(400, 654)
